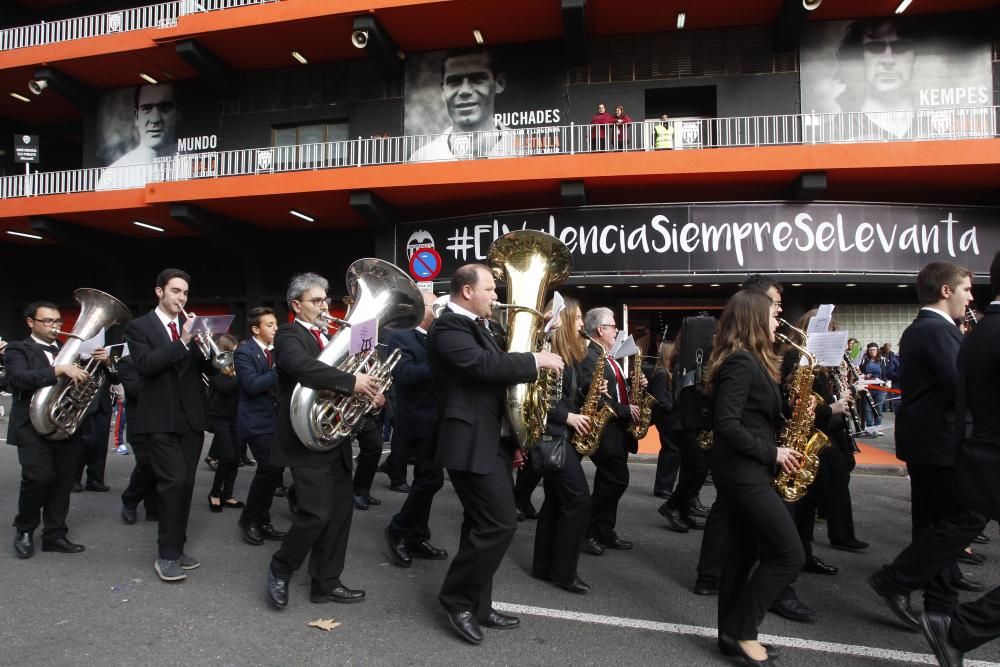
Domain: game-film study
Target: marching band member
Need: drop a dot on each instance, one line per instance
(222, 412)
(142, 482)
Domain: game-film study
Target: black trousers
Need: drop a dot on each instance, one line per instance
(488, 524)
(174, 457)
(411, 523)
(48, 470)
(395, 463)
(838, 463)
(713, 541)
(562, 522)
(524, 486)
(266, 479)
(668, 463)
(369, 453)
(95, 447)
(610, 484)
(321, 527)
(693, 470)
(227, 450)
(759, 530)
(142, 483)
(804, 511)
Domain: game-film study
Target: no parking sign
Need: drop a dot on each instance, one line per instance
(425, 264)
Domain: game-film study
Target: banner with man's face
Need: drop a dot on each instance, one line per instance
(890, 64)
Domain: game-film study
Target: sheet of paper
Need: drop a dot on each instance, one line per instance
(364, 336)
(213, 324)
(820, 322)
(87, 347)
(625, 348)
(558, 305)
(828, 346)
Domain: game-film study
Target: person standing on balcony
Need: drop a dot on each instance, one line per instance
(663, 134)
(599, 133)
(155, 116)
(622, 122)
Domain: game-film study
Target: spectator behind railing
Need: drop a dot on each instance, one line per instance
(663, 134)
(599, 133)
(623, 124)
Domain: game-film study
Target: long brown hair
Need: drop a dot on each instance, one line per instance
(665, 357)
(567, 342)
(744, 326)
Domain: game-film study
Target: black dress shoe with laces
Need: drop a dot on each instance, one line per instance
(129, 514)
(618, 544)
(269, 532)
(592, 547)
(251, 534)
(62, 545)
(574, 585)
(426, 550)
(397, 549)
(936, 627)
(673, 518)
(277, 589)
(706, 586)
(499, 621)
(697, 508)
(361, 502)
(466, 625)
(793, 610)
(341, 594)
(899, 604)
(816, 566)
(100, 487)
(24, 545)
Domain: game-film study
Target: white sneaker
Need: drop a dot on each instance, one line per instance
(122, 449)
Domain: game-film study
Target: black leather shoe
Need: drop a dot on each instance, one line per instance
(499, 621)
(966, 584)
(850, 545)
(521, 516)
(397, 549)
(793, 610)
(466, 625)
(233, 504)
(400, 488)
(980, 539)
(372, 500)
(24, 545)
(340, 594)
(426, 550)
(280, 492)
(971, 558)
(277, 589)
(212, 506)
(129, 514)
(77, 487)
(63, 546)
(899, 604)
(692, 523)
(361, 502)
(592, 547)
(251, 534)
(618, 544)
(816, 566)
(574, 585)
(730, 647)
(97, 486)
(706, 586)
(662, 494)
(269, 532)
(697, 508)
(674, 522)
(936, 627)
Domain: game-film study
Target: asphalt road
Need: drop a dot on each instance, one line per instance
(107, 605)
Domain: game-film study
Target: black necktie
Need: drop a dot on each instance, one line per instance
(51, 349)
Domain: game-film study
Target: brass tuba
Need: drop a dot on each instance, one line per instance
(323, 419)
(56, 411)
(529, 262)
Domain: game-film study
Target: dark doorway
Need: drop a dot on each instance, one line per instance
(681, 102)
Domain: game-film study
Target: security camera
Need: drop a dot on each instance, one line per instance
(359, 38)
(36, 86)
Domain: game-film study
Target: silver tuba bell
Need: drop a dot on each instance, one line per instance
(56, 411)
(323, 419)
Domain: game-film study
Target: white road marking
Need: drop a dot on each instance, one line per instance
(701, 631)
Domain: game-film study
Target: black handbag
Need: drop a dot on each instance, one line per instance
(549, 454)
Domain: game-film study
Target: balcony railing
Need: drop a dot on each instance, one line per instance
(698, 134)
(162, 15)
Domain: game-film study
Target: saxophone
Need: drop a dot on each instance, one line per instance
(800, 433)
(598, 412)
(645, 401)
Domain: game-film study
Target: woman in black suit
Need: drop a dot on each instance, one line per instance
(743, 375)
(565, 514)
(222, 407)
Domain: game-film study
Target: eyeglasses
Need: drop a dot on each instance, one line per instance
(878, 46)
(318, 301)
(48, 321)
(776, 303)
(607, 325)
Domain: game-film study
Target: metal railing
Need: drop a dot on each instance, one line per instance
(689, 134)
(162, 15)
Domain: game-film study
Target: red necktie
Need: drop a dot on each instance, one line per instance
(319, 337)
(622, 391)
(173, 331)
(270, 359)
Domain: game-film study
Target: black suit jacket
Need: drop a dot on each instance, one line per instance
(28, 370)
(295, 357)
(615, 440)
(173, 394)
(472, 372)
(414, 392)
(132, 383)
(747, 419)
(928, 378)
(257, 412)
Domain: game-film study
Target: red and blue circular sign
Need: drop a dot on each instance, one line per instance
(425, 264)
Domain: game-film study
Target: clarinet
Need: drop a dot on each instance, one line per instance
(854, 378)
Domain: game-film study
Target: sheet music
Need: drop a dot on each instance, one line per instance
(213, 324)
(625, 348)
(820, 322)
(87, 347)
(558, 305)
(828, 346)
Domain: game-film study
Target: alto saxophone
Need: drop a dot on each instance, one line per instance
(598, 411)
(800, 432)
(644, 400)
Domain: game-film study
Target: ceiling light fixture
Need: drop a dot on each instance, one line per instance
(661, 286)
(902, 6)
(681, 20)
(581, 287)
(478, 36)
(688, 285)
(851, 285)
(902, 285)
(714, 285)
(27, 236)
(796, 284)
(19, 97)
(301, 58)
(148, 226)
(633, 285)
(300, 214)
(146, 77)
(607, 287)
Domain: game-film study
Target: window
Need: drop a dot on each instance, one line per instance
(311, 146)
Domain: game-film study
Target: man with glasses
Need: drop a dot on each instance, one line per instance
(611, 458)
(48, 468)
(323, 486)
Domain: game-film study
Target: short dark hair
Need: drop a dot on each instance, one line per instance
(995, 275)
(492, 61)
(255, 315)
(761, 283)
(467, 274)
(228, 340)
(32, 308)
(138, 89)
(166, 275)
(936, 275)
